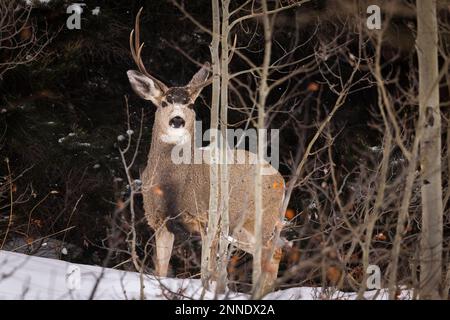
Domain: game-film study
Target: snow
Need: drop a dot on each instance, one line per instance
(46, 248)
(96, 11)
(30, 2)
(83, 144)
(32, 277)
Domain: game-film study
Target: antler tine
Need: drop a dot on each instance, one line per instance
(136, 50)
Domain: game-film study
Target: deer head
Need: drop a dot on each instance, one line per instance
(175, 115)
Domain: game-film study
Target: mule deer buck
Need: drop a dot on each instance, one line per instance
(176, 196)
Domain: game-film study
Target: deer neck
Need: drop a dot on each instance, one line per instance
(160, 156)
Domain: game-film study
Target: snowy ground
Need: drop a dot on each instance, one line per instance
(31, 277)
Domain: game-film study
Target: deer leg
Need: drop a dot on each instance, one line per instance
(164, 244)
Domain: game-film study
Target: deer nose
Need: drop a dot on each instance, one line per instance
(177, 122)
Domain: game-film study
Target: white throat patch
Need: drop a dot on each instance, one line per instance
(175, 136)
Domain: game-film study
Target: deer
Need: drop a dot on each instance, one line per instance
(176, 196)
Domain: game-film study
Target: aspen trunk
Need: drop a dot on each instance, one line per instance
(224, 174)
(258, 273)
(430, 151)
(208, 243)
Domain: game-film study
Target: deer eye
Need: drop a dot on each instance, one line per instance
(191, 106)
(163, 104)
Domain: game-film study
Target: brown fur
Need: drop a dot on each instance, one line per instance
(176, 196)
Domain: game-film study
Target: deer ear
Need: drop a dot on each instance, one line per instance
(145, 87)
(199, 81)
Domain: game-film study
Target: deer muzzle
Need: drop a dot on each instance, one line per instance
(177, 122)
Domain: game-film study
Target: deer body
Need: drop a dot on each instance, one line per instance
(176, 196)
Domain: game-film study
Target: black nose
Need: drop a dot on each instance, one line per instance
(177, 122)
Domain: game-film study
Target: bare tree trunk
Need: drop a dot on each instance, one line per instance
(258, 273)
(430, 151)
(224, 175)
(208, 261)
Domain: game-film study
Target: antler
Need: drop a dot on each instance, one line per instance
(136, 50)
